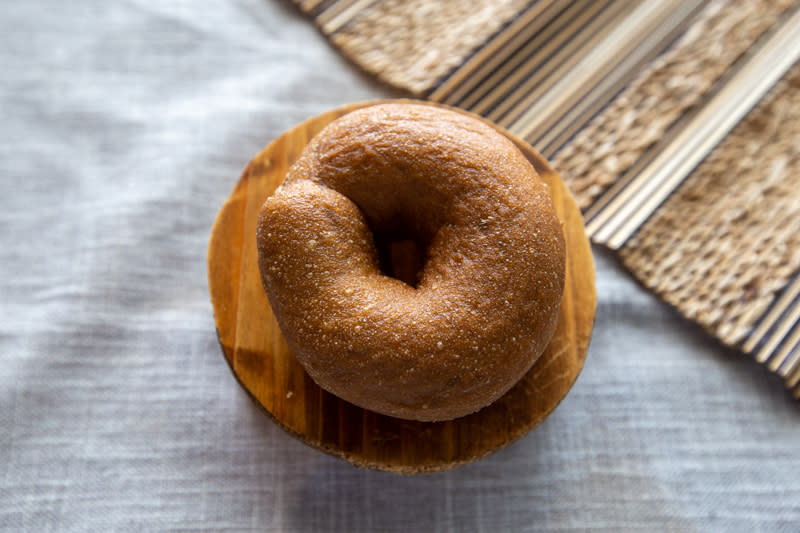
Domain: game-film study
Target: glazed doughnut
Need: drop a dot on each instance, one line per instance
(462, 204)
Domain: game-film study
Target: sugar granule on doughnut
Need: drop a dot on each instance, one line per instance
(414, 261)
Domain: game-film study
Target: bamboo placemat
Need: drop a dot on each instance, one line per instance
(675, 123)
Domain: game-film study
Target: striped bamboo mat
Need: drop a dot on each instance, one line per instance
(675, 123)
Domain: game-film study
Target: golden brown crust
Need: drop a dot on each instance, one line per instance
(486, 300)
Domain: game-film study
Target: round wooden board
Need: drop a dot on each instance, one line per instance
(261, 361)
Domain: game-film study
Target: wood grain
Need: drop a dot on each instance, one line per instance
(261, 361)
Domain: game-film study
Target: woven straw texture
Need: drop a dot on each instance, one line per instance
(666, 89)
(412, 43)
(744, 199)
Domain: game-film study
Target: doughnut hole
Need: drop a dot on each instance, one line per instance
(400, 258)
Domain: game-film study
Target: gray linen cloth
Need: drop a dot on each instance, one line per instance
(123, 127)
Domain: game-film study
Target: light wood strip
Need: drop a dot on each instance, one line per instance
(543, 17)
(791, 322)
(332, 10)
(631, 207)
(341, 13)
(462, 78)
(794, 380)
(549, 133)
(770, 319)
(618, 43)
(792, 359)
(532, 58)
(560, 65)
(523, 60)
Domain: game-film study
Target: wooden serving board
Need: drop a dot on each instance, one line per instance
(261, 361)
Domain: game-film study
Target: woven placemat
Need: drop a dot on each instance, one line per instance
(676, 124)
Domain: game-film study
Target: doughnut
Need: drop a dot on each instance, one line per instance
(414, 261)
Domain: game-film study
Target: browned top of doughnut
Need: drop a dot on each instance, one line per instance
(486, 301)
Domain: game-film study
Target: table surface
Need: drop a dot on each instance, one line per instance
(124, 127)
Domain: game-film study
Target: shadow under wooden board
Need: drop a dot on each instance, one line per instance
(262, 363)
